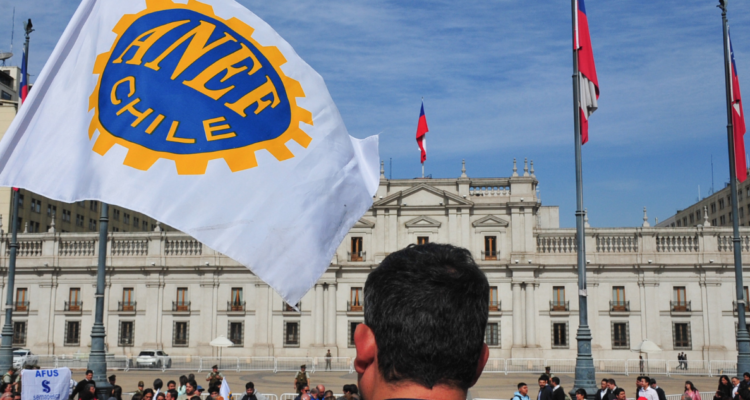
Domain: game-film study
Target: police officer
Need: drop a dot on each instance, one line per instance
(214, 377)
(302, 378)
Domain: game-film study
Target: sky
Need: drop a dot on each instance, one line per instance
(495, 76)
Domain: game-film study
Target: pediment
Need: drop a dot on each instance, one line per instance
(423, 222)
(364, 223)
(490, 221)
(423, 195)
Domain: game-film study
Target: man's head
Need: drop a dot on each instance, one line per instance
(441, 342)
(746, 376)
(555, 381)
(735, 381)
(250, 388)
(523, 389)
(215, 392)
(148, 394)
(305, 389)
(171, 394)
(652, 383)
(112, 379)
(140, 385)
(158, 384)
(161, 396)
(611, 384)
(604, 384)
(314, 392)
(543, 380)
(620, 394)
(643, 381)
(191, 386)
(547, 370)
(303, 368)
(215, 368)
(89, 374)
(171, 385)
(321, 389)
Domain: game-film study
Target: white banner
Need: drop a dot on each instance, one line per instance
(45, 384)
(197, 114)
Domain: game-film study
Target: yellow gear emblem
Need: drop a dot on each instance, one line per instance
(183, 84)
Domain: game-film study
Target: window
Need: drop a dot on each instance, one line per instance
(136, 222)
(74, 299)
(92, 224)
(713, 208)
(182, 300)
(698, 215)
(679, 223)
(126, 218)
(66, 216)
(36, 205)
(81, 203)
(352, 329)
(723, 220)
(492, 334)
(742, 212)
(51, 210)
(356, 299)
(127, 334)
(558, 298)
(618, 298)
(5, 95)
(33, 227)
(79, 220)
(20, 200)
(494, 303)
(93, 205)
(72, 333)
(291, 334)
(721, 204)
(679, 299)
(180, 334)
(116, 215)
(620, 335)
(560, 335)
(684, 221)
(713, 222)
(490, 247)
(692, 219)
(144, 226)
(19, 223)
(235, 333)
(128, 302)
(739, 194)
(681, 335)
(423, 239)
(356, 252)
(19, 333)
(288, 308)
(22, 300)
(236, 303)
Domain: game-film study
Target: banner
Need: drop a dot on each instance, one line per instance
(45, 384)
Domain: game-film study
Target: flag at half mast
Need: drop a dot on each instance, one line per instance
(199, 115)
(588, 82)
(24, 77)
(738, 117)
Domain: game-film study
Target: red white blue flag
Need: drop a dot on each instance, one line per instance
(588, 82)
(738, 118)
(421, 137)
(24, 79)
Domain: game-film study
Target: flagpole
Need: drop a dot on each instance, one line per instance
(743, 338)
(97, 358)
(585, 374)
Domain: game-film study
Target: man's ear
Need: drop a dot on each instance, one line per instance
(367, 349)
(482, 362)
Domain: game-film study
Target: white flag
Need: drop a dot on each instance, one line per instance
(224, 390)
(45, 384)
(201, 116)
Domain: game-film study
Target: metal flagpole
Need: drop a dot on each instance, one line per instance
(6, 348)
(97, 359)
(584, 378)
(743, 338)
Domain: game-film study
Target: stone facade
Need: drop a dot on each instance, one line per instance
(673, 286)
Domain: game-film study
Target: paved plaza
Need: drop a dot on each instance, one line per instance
(490, 385)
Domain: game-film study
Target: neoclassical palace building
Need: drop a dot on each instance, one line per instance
(673, 286)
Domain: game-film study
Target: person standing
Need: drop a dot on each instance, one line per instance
(691, 392)
(214, 378)
(251, 394)
(302, 378)
(580, 394)
(724, 391)
(640, 364)
(139, 392)
(548, 372)
(620, 394)
(735, 386)
(328, 360)
(603, 392)
(116, 390)
(612, 386)
(545, 390)
(659, 391)
(558, 393)
(191, 388)
(522, 393)
(81, 386)
(644, 384)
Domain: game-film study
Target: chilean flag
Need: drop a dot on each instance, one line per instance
(738, 118)
(421, 131)
(589, 84)
(24, 80)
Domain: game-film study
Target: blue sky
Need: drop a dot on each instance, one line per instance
(496, 78)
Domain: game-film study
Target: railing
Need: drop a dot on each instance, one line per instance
(21, 306)
(619, 305)
(235, 306)
(183, 247)
(356, 256)
(559, 305)
(495, 305)
(73, 306)
(126, 305)
(489, 255)
(734, 306)
(726, 244)
(339, 364)
(77, 248)
(181, 306)
(680, 306)
(129, 247)
(677, 243)
(616, 244)
(26, 248)
(489, 190)
(292, 364)
(356, 307)
(556, 244)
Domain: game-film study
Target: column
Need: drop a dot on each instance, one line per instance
(530, 311)
(466, 230)
(51, 308)
(331, 311)
(160, 314)
(262, 343)
(453, 233)
(518, 339)
(318, 313)
(324, 315)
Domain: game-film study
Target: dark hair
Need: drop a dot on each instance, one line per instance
(692, 387)
(351, 388)
(191, 376)
(520, 385)
(195, 398)
(183, 380)
(173, 393)
(328, 391)
(249, 385)
(652, 381)
(555, 380)
(642, 377)
(88, 371)
(158, 383)
(171, 383)
(441, 341)
(605, 380)
(162, 395)
(580, 391)
(618, 391)
(612, 381)
(729, 381)
(192, 383)
(747, 374)
(136, 397)
(543, 377)
(147, 391)
(86, 394)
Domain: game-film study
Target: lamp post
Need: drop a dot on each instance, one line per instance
(97, 359)
(6, 346)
